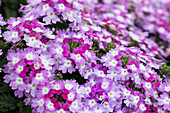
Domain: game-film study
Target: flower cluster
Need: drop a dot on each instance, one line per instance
(75, 56)
(149, 13)
(55, 96)
(2, 23)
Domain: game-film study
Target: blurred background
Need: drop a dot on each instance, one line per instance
(9, 8)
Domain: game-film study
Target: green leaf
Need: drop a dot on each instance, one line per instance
(125, 60)
(59, 25)
(57, 77)
(114, 32)
(26, 109)
(109, 46)
(3, 45)
(4, 109)
(4, 88)
(133, 43)
(165, 69)
(8, 101)
(2, 63)
(24, 2)
(72, 45)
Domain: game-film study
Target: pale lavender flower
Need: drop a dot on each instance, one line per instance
(47, 61)
(66, 65)
(164, 101)
(32, 41)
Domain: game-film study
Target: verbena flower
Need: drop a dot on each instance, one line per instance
(87, 56)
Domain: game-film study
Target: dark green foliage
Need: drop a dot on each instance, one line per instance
(165, 70)
(131, 9)
(58, 25)
(74, 76)
(61, 26)
(7, 101)
(133, 87)
(4, 87)
(3, 62)
(4, 48)
(109, 46)
(114, 32)
(133, 43)
(25, 109)
(59, 98)
(100, 53)
(72, 45)
(9, 8)
(125, 60)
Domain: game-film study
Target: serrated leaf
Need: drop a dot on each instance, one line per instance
(26, 109)
(4, 109)
(8, 101)
(4, 88)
